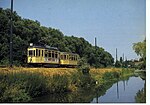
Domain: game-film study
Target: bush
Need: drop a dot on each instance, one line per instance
(83, 66)
(141, 96)
(14, 93)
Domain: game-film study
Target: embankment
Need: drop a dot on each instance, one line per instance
(24, 84)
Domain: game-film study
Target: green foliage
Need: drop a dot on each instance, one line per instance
(22, 86)
(27, 31)
(83, 66)
(141, 96)
(140, 49)
(14, 93)
(118, 64)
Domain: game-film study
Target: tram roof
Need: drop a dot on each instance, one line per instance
(69, 53)
(44, 47)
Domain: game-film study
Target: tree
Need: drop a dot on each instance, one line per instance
(140, 50)
(117, 64)
(27, 31)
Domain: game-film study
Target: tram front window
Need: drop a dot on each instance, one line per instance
(30, 52)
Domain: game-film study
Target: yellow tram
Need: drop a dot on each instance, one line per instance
(45, 55)
(68, 59)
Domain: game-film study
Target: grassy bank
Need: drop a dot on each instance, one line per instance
(24, 84)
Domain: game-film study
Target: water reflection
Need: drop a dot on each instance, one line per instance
(117, 86)
(117, 91)
(96, 97)
(124, 92)
(124, 85)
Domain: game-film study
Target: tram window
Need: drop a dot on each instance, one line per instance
(30, 52)
(33, 52)
(49, 54)
(36, 52)
(61, 56)
(39, 52)
(52, 54)
(42, 53)
(45, 55)
(46, 51)
(70, 57)
(56, 55)
(65, 57)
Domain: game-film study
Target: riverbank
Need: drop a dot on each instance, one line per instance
(24, 84)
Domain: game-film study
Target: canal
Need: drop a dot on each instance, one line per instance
(123, 91)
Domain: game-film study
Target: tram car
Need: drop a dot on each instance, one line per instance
(50, 56)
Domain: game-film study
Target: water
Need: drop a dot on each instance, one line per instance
(122, 91)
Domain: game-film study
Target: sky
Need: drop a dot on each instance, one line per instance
(115, 23)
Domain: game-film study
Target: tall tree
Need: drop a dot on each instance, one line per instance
(28, 31)
(140, 50)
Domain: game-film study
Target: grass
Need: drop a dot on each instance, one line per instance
(23, 84)
(105, 74)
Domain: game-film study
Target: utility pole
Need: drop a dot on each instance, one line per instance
(95, 42)
(123, 57)
(126, 58)
(116, 55)
(11, 33)
(95, 52)
(95, 45)
(126, 62)
(123, 60)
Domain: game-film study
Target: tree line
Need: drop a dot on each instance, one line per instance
(27, 31)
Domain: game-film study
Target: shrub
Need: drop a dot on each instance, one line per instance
(14, 93)
(141, 96)
(83, 66)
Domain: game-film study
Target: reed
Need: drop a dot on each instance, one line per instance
(22, 84)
